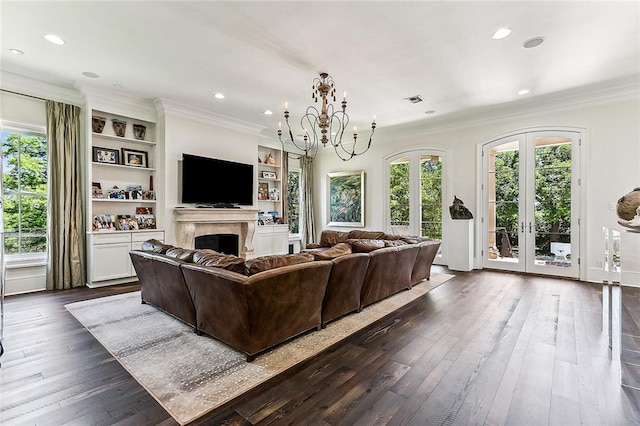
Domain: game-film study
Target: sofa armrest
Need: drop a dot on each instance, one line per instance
(313, 246)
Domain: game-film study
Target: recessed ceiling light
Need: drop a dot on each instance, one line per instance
(533, 42)
(90, 74)
(268, 112)
(414, 99)
(16, 51)
(431, 111)
(54, 39)
(523, 92)
(218, 96)
(501, 33)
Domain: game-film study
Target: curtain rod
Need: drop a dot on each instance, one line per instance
(22, 94)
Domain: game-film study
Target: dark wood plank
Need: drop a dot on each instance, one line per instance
(486, 347)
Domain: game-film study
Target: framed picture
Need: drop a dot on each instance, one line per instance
(96, 190)
(134, 158)
(106, 155)
(346, 198)
(263, 191)
(268, 175)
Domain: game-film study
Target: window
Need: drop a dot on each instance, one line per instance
(416, 191)
(24, 191)
(293, 200)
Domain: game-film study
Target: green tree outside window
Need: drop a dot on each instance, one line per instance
(24, 181)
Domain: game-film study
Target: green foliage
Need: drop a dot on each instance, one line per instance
(399, 193)
(430, 192)
(552, 209)
(24, 182)
(293, 201)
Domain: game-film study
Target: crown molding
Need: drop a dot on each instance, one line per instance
(21, 84)
(119, 103)
(627, 89)
(167, 107)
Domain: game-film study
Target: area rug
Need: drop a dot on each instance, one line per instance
(190, 375)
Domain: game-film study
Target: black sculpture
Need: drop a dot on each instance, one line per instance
(458, 210)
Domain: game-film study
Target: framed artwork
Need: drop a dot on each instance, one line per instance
(268, 175)
(106, 155)
(134, 158)
(346, 198)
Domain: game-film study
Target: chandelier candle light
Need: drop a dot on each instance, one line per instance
(326, 125)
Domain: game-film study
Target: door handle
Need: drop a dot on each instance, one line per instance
(529, 227)
(522, 227)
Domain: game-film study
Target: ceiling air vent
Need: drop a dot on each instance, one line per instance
(414, 99)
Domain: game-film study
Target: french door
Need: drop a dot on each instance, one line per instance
(530, 191)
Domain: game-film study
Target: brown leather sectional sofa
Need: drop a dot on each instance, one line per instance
(256, 304)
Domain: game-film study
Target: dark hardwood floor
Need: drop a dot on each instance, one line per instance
(485, 348)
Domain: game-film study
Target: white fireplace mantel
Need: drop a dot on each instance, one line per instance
(194, 222)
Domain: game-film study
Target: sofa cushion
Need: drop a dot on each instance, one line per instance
(338, 250)
(365, 246)
(394, 243)
(331, 238)
(265, 263)
(366, 235)
(219, 260)
(155, 246)
(186, 255)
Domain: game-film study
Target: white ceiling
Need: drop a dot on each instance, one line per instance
(261, 53)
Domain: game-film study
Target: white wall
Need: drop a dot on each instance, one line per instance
(612, 168)
(200, 137)
(29, 274)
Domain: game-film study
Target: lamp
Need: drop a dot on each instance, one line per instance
(326, 126)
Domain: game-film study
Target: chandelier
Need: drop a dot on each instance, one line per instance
(326, 126)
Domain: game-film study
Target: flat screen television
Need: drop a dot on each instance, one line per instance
(216, 183)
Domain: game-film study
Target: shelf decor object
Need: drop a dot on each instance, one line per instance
(106, 155)
(134, 158)
(119, 126)
(139, 131)
(97, 123)
(326, 126)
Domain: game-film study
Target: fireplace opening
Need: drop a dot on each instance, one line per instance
(222, 243)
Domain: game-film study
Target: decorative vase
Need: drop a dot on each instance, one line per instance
(97, 124)
(139, 131)
(119, 126)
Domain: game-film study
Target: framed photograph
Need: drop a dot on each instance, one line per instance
(345, 191)
(106, 155)
(263, 191)
(96, 190)
(268, 175)
(134, 158)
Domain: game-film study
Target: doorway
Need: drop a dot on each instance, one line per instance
(531, 203)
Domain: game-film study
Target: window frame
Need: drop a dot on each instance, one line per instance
(25, 259)
(414, 155)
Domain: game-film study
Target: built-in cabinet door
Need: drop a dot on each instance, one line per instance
(530, 191)
(111, 261)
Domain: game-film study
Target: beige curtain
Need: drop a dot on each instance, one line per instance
(66, 251)
(308, 230)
